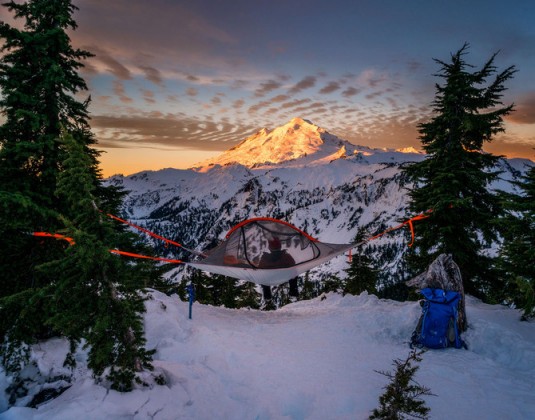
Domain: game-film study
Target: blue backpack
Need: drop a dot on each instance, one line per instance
(437, 327)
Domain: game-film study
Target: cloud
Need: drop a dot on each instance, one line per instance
(414, 66)
(238, 103)
(295, 103)
(239, 84)
(305, 83)
(370, 78)
(267, 87)
(279, 98)
(148, 96)
(374, 95)
(315, 107)
(174, 27)
(216, 100)
(158, 40)
(258, 106)
(152, 74)
(362, 126)
(383, 130)
(510, 146)
(350, 91)
(192, 78)
(330, 87)
(118, 89)
(264, 104)
(156, 130)
(524, 112)
(109, 64)
(195, 51)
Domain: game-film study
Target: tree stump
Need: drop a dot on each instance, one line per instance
(444, 273)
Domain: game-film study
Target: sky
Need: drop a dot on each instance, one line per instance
(175, 82)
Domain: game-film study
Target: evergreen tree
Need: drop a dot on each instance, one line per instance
(401, 399)
(199, 280)
(224, 291)
(218, 290)
(50, 181)
(249, 296)
(453, 180)
(518, 251)
(98, 289)
(309, 289)
(360, 274)
(331, 283)
(38, 80)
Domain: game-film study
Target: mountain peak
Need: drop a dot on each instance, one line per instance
(295, 140)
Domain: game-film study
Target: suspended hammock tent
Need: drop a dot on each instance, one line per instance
(267, 251)
(263, 250)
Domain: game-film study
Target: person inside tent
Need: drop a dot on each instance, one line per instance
(277, 258)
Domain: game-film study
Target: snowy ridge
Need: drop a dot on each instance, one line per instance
(311, 360)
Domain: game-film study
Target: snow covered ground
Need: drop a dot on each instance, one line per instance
(309, 360)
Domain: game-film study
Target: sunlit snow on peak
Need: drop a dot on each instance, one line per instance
(299, 141)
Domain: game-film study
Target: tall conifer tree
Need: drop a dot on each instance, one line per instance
(453, 180)
(518, 252)
(97, 294)
(38, 80)
(50, 181)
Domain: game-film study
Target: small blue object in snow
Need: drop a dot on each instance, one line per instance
(437, 327)
(191, 294)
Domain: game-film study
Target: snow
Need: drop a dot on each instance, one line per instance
(298, 140)
(409, 149)
(308, 360)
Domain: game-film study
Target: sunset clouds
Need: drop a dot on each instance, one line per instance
(201, 76)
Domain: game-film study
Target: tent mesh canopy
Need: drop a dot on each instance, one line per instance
(266, 244)
(267, 251)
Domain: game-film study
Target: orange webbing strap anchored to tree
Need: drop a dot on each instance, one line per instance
(54, 235)
(155, 235)
(411, 227)
(113, 251)
(406, 222)
(131, 254)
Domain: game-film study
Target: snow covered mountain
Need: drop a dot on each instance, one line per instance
(297, 172)
(297, 142)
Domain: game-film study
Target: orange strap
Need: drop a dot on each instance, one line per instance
(131, 254)
(411, 227)
(113, 251)
(406, 222)
(54, 235)
(155, 235)
(148, 232)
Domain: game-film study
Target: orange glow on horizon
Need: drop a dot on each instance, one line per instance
(130, 161)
